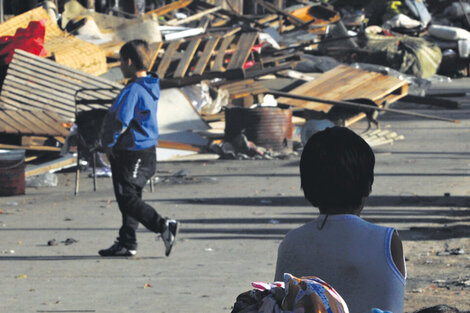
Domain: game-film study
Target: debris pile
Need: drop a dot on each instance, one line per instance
(238, 80)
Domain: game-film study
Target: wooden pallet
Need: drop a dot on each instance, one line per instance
(199, 55)
(347, 83)
(33, 83)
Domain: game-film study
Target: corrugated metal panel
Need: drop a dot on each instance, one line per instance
(35, 83)
(31, 122)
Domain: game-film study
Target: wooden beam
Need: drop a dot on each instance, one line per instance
(56, 165)
(155, 49)
(38, 148)
(219, 59)
(185, 61)
(243, 50)
(170, 7)
(170, 51)
(206, 55)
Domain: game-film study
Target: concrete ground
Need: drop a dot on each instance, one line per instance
(234, 215)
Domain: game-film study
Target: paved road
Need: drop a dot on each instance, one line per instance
(234, 215)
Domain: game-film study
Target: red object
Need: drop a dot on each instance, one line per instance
(248, 64)
(257, 48)
(30, 39)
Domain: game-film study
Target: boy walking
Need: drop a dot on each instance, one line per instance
(129, 138)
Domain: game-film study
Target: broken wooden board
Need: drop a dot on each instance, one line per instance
(347, 83)
(379, 137)
(244, 88)
(34, 83)
(67, 161)
(64, 48)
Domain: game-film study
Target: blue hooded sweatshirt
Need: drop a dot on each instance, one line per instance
(131, 123)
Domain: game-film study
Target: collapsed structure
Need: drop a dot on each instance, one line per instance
(228, 79)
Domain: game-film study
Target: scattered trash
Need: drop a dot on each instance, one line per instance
(231, 68)
(447, 252)
(273, 221)
(23, 276)
(52, 242)
(209, 250)
(181, 173)
(69, 241)
(42, 180)
(8, 251)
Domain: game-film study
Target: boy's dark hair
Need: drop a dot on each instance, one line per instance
(336, 170)
(139, 52)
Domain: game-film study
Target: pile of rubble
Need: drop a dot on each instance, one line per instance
(237, 82)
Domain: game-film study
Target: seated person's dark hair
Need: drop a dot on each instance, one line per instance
(336, 170)
(440, 308)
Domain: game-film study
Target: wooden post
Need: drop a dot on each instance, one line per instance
(90, 4)
(279, 4)
(235, 5)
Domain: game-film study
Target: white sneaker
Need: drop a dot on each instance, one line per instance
(169, 235)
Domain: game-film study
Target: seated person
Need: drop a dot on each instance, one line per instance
(362, 261)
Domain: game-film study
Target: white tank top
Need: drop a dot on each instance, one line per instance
(351, 255)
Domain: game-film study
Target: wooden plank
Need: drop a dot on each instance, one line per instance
(64, 78)
(47, 128)
(38, 148)
(28, 101)
(53, 122)
(27, 126)
(43, 128)
(50, 65)
(183, 64)
(170, 51)
(194, 17)
(61, 83)
(155, 48)
(46, 95)
(56, 165)
(15, 102)
(243, 50)
(5, 126)
(219, 59)
(170, 7)
(177, 145)
(206, 55)
(34, 83)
